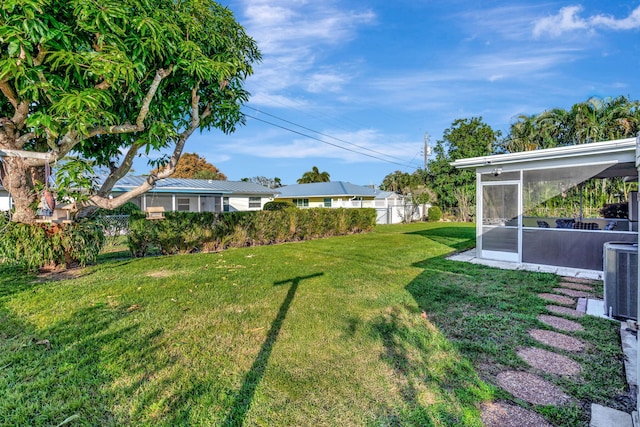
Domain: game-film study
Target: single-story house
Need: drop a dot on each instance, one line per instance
(391, 207)
(510, 188)
(198, 195)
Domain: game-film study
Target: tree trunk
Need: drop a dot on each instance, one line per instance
(19, 182)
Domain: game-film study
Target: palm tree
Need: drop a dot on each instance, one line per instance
(314, 175)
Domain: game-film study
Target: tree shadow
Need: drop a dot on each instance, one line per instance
(457, 238)
(244, 396)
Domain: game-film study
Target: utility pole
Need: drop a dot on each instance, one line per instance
(427, 149)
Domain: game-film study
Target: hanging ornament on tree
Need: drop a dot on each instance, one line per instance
(48, 200)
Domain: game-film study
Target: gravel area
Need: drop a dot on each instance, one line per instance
(565, 311)
(559, 299)
(557, 340)
(531, 388)
(572, 292)
(549, 362)
(560, 323)
(501, 414)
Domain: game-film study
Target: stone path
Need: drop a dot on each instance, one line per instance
(531, 387)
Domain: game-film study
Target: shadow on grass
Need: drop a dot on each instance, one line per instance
(457, 238)
(244, 397)
(482, 316)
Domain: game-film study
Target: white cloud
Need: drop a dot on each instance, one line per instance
(568, 19)
(294, 37)
(325, 82)
(359, 146)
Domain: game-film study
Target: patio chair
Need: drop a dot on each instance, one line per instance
(565, 223)
(543, 224)
(586, 226)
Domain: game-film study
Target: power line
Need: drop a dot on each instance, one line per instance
(330, 136)
(326, 142)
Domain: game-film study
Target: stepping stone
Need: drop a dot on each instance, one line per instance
(557, 340)
(560, 323)
(572, 292)
(582, 304)
(560, 299)
(579, 280)
(576, 286)
(500, 414)
(531, 388)
(548, 361)
(565, 311)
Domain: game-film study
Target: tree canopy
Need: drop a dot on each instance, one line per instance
(314, 175)
(192, 165)
(596, 119)
(264, 181)
(465, 138)
(105, 81)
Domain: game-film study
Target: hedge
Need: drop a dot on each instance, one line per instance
(38, 245)
(186, 232)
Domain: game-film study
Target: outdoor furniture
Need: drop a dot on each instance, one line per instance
(543, 224)
(610, 225)
(565, 223)
(586, 226)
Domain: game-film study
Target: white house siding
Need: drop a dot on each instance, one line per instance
(241, 203)
(5, 201)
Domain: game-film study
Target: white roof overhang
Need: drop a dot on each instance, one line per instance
(597, 153)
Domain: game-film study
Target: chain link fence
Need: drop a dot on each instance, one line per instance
(115, 225)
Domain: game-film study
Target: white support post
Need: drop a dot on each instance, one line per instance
(638, 279)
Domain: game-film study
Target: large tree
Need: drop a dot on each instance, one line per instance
(192, 165)
(106, 80)
(264, 181)
(596, 119)
(465, 138)
(314, 175)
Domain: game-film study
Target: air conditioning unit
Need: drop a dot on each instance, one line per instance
(620, 268)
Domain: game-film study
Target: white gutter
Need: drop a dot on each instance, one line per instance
(605, 147)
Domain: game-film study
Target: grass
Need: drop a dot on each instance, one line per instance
(326, 332)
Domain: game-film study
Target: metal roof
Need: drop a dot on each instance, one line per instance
(201, 186)
(326, 189)
(617, 148)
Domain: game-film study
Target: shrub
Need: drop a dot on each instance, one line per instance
(38, 245)
(278, 205)
(183, 232)
(615, 210)
(434, 214)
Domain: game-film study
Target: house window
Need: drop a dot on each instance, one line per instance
(183, 204)
(255, 202)
(301, 203)
(225, 204)
(327, 202)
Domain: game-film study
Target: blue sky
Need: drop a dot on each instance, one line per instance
(374, 76)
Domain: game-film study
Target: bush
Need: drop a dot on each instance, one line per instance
(184, 232)
(615, 210)
(278, 205)
(434, 214)
(39, 245)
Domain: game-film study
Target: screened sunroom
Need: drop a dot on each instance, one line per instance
(556, 206)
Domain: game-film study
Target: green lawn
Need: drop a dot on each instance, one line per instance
(320, 333)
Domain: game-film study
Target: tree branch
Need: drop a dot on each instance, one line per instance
(119, 172)
(71, 139)
(8, 92)
(102, 199)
